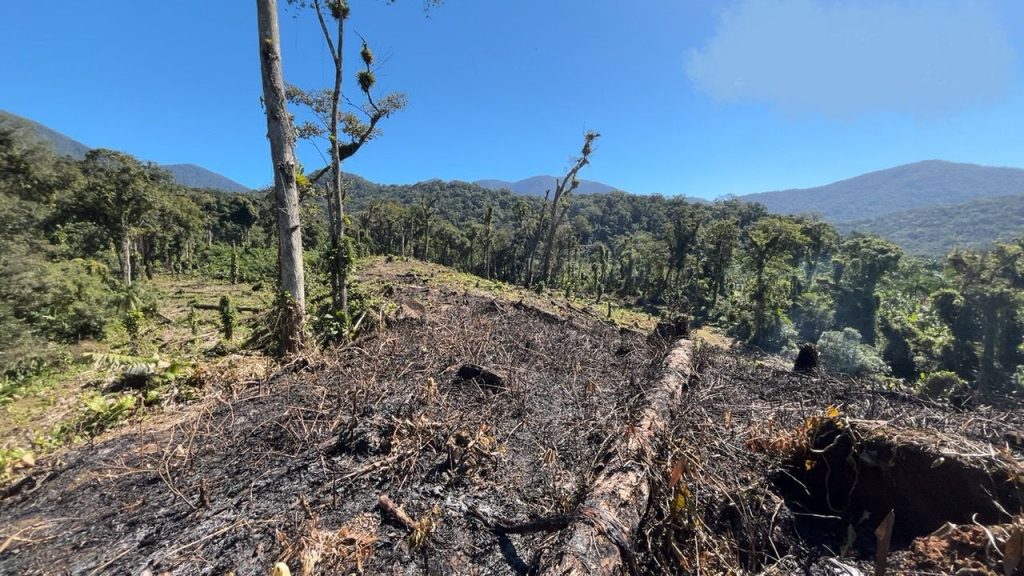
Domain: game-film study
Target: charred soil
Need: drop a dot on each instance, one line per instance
(464, 434)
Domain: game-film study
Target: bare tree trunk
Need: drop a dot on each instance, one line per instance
(126, 260)
(549, 244)
(286, 192)
(336, 195)
(563, 188)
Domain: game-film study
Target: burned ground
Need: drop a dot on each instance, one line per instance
(762, 471)
(292, 468)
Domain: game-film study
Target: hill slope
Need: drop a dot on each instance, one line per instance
(184, 174)
(538, 185)
(491, 475)
(61, 143)
(934, 230)
(199, 177)
(922, 184)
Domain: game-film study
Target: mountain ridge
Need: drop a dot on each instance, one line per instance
(905, 187)
(538, 185)
(191, 175)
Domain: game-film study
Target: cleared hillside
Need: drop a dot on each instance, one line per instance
(382, 457)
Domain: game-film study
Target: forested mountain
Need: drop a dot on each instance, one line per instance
(185, 174)
(922, 184)
(61, 144)
(198, 177)
(538, 185)
(932, 231)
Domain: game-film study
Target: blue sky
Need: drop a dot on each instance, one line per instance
(696, 97)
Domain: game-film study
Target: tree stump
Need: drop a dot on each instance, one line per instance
(807, 360)
(671, 329)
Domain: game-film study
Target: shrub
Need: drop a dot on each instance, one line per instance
(98, 413)
(63, 301)
(843, 352)
(938, 385)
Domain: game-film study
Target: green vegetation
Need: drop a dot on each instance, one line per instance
(933, 231)
(106, 259)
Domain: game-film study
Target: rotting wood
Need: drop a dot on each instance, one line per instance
(216, 307)
(600, 541)
(502, 525)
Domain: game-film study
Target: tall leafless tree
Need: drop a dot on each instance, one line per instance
(286, 192)
(560, 200)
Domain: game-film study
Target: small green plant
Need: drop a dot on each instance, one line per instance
(98, 413)
(227, 317)
(132, 322)
(939, 385)
(193, 321)
(13, 458)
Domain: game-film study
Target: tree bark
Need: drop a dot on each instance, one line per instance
(126, 260)
(600, 540)
(286, 192)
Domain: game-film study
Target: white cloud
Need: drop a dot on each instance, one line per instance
(854, 57)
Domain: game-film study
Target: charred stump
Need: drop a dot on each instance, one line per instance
(671, 329)
(807, 360)
(485, 377)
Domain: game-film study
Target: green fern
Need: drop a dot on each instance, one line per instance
(132, 365)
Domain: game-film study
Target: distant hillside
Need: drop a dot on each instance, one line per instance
(61, 144)
(538, 185)
(184, 174)
(199, 177)
(934, 230)
(922, 184)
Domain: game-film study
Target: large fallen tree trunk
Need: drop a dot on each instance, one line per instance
(600, 540)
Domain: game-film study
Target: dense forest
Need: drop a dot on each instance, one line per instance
(82, 238)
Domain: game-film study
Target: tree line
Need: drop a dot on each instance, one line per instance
(76, 234)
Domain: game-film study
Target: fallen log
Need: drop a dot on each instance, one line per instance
(544, 315)
(600, 540)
